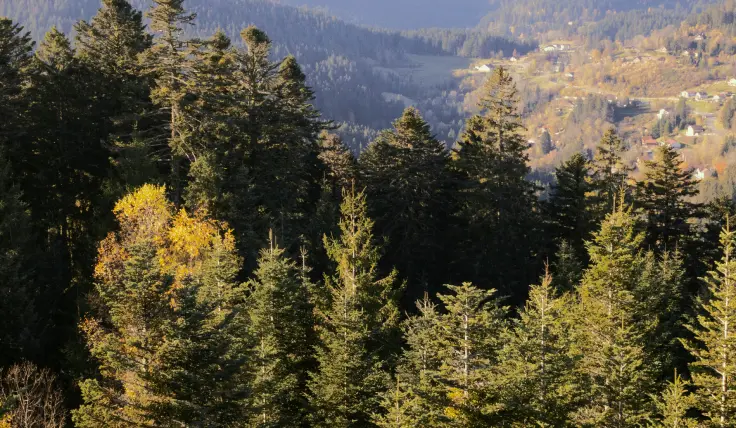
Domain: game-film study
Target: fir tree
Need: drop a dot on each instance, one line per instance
(570, 219)
(665, 196)
(612, 332)
(419, 397)
(609, 175)
(536, 367)
(469, 343)
(674, 404)
(112, 41)
(407, 185)
(714, 342)
(358, 327)
(281, 322)
(567, 269)
(497, 203)
(168, 61)
(17, 298)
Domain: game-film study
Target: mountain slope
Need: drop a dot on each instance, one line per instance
(403, 14)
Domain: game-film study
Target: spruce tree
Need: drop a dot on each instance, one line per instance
(714, 341)
(358, 326)
(281, 323)
(665, 196)
(497, 203)
(405, 174)
(612, 331)
(168, 339)
(536, 367)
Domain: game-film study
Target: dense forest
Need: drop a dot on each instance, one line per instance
(185, 243)
(338, 57)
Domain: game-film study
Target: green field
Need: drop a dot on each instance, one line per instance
(427, 70)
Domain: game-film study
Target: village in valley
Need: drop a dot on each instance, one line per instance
(571, 95)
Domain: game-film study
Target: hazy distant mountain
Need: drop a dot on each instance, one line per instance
(404, 14)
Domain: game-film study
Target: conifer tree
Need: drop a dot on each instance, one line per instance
(358, 326)
(168, 62)
(16, 236)
(612, 332)
(609, 175)
(418, 396)
(112, 41)
(405, 173)
(169, 340)
(281, 322)
(497, 203)
(17, 298)
(567, 269)
(109, 46)
(470, 340)
(674, 404)
(536, 367)
(570, 219)
(714, 342)
(665, 195)
(16, 49)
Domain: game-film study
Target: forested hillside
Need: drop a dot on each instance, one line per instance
(404, 14)
(184, 243)
(338, 58)
(187, 241)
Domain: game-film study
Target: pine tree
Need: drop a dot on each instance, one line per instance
(612, 332)
(470, 340)
(497, 203)
(569, 216)
(169, 340)
(358, 326)
(281, 322)
(609, 175)
(536, 367)
(405, 173)
(674, 404)
(665, 196)
(714, 342)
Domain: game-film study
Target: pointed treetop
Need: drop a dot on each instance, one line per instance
(290, 70)
(55, 51)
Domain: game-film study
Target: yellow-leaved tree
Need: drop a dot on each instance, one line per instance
(167, 332)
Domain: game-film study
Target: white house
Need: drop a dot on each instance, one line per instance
(663, 113)
(701, 96)
(732, 82)
(694, 130)
(686, 94)
(485, 68)
(701, 174)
